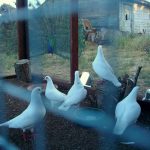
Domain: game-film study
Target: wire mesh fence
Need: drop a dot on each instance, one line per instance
(49, 32)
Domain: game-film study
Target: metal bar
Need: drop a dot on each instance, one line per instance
(73, 38)
(22, 27)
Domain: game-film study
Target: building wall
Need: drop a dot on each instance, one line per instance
(141, 19)
(125, 17)
(134, 18)
(101, 13)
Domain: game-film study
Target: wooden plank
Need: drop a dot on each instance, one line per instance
(74, 38)
(65, 85)
(22, 27)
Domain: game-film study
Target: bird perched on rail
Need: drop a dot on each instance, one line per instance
(103, 69)
(75, 95)
(55, 96)
(32, 115)
(127, 112)
(147, 95)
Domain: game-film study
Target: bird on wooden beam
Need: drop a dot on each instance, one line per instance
(31, 116)
(103, 69)
(54, 96)
(127, 112)
(75, 95)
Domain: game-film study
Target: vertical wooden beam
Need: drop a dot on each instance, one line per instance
(74, 38)
(22, 28)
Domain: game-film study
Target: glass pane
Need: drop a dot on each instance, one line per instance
(50, 41)
(8, 39)
(123, 33)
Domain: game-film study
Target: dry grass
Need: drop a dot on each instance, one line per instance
(121, 59)
(56, 66)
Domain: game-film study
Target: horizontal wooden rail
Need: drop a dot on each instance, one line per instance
(65, 85)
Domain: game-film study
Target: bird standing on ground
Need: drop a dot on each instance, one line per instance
(76, 94)
(127, 112)
(50, 48)
(103, 69)
(55, 96)
(32, 115)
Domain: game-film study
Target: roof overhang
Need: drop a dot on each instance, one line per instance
(141, 2)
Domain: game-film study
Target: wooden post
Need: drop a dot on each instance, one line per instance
(23, 71)
(129, 87)
(137, 75)
(74, 39)
(132, 83)
(22, 27)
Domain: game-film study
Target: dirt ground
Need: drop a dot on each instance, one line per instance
(61, 134)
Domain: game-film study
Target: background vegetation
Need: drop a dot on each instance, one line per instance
(125, 53)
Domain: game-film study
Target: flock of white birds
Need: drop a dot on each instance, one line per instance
(126, 113)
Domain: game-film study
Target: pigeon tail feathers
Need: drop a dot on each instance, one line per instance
(5, 124)
(116, 83)
(119, 128)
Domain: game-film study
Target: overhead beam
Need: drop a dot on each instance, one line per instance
(22, 28)
(73, 38)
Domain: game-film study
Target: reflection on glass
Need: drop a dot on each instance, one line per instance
(123, 31)
(8, 40)
(50, 43)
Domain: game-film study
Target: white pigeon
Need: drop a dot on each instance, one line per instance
(127, 112)
(55, 96)
(33, 114)
(75, 95)
(147, 95)
(103, 69)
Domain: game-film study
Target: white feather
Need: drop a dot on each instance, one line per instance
(127, 112)
(147, 95)
(103, 69)
(76, 94)
(55, 96)
(34, 113)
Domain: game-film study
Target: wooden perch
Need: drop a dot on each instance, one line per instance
(129, 86)
(22, 69)
(132, 83)
(123, 81)
(137, 75)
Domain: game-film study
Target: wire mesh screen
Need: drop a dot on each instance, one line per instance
(8, 41)
(52, 35)
(99, 115)
(53, 31)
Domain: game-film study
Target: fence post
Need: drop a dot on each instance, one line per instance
(73, 39)
(22, 28)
